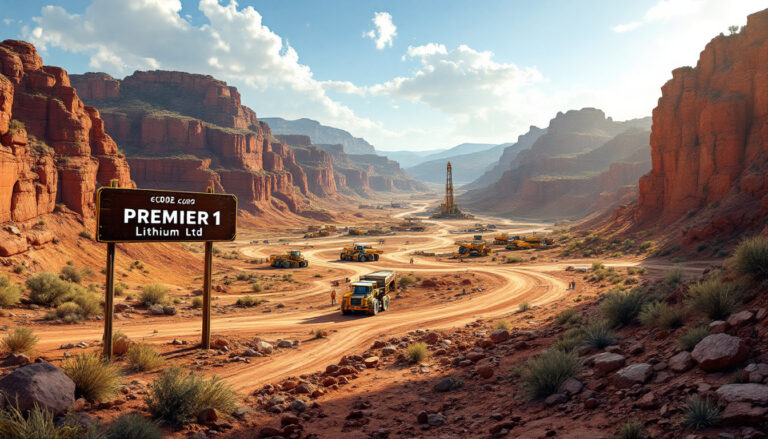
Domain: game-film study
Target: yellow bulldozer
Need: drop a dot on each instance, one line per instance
(360, 253)
(476, 247)
(529, 242)
(290, 259)
(503, 239)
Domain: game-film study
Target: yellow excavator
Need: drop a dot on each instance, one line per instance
(476, 247)
(529, 242)
(290, 259)
(360, 253)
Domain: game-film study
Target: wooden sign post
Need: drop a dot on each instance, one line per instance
(136, 215)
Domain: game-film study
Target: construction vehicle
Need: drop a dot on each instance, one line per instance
(370, 294)
(503, 239)
(529, 242)
(476, 247)
(318, 232)
(360, 253)
(355, 232)
(290, 259)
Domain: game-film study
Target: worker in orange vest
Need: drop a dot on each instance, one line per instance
(333, 297)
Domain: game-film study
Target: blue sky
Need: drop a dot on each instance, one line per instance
(402, 74)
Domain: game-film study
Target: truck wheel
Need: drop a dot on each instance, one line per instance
(286, 264)
(294, 265)
(462, 250)
(375, 257)
(303, 264)
(345, 312)
(342, 257)
(375, 308)
(361, 258)
(386, 304)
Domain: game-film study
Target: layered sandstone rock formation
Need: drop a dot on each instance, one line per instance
(188, 131)
(492, 175)
(709, 143)
(584, 162)
(53, 148)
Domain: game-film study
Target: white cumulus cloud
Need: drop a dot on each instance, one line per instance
(385, 31)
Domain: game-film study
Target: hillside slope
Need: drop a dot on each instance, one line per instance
(492, 175)
(466, 166)
(320, 134)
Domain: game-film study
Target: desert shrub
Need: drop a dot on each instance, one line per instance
(544, 373)
(320, 333)
(36, 424)
(701, 413)
(514, 259)
(715, 298)
(9, 292)
(597, 265)
(95, 378)
(673, 276)
(630, 430)
(568, 317)
(142, 357)
(692, 337)
(133, 426)
(661, 315)
(417, 352)
(47, 289)
(153, 294)
(177, 396)
(71, 274)
(502, 324)
(68, 312)
(20, 341)
(570, 340)
(751, 258)
(249, 301)
(119, 290)
(620, 307)
(523, 307)
(197, 302)
(85, 234)
(598, 334)
(405, 281)
(256, 287)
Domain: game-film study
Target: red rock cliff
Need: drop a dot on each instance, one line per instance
(53, 148)
(709, 142)
(187, 131)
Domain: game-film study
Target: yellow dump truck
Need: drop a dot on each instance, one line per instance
(370, 294)
(503, 239)
(360, 253)
(528, 242)
(355, 232)
(476, 247)
(290, 259)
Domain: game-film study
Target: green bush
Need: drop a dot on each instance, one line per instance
(142, 357)
(673, 276)
(701, 413)
(177, 396)
(751, 258)
(514, 259)
(36, 424)
(597, 265)
(661, 315)
(197, 302)
(9, 292)
(598, 334)
(568, 317)
(630, 430)
(715, 298)
(133, 426)
(570, 340)
(320, 333)
(85, 234)
(71, 274)
(692, 337)
(502, 324)
(417, 352)
(523, 307)
(256, 287)
(48, 289)
(95, 379)
(544, 373)
(249, 301)
(405, 281)
(620, 307)
(19, 341)
(153, 295)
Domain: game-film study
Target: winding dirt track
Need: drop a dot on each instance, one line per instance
(349, 333)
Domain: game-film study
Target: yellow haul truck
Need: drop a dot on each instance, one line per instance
(370, 294)
(476, 247)
(291, 259)
(360, 253)
(529, 242)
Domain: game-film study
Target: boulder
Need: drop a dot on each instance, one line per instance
(499, 335)
(633, 374)
(681, 361)
(719, 351)
(750, 392)
(41, 384)
(371, 362)
(263, 347)
(606, 362)
(717, 327)
(743, 413)
(739, 319)
(571, 386)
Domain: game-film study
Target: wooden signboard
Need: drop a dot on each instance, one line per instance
(138, 215)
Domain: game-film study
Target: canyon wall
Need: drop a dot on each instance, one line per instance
(709, 142)
(53, 148)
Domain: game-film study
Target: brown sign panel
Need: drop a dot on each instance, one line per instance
(138, 215)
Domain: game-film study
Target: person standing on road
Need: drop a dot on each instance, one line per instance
(411, 261)
(333, 297)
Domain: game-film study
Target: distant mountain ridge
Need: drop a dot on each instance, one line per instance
(467, 166)
(320, 134)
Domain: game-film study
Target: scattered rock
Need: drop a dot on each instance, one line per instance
(16, 360)
(371, 362)
(41, 384)
(485, 371)
(208, 416)
(284, 344)
(743, 413)
(681, 361)
(388, 350)
(435, 419)
(555, 399)
(739, 319)
(647, 401)
(717, 327)
(432, 337)
(719, 351)
(499, 336)
(750, 392)
(633, 374)
(606, 362)
(571, 386)
(445, 385)
(263, 347)
(156, 310)
(298, 405)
